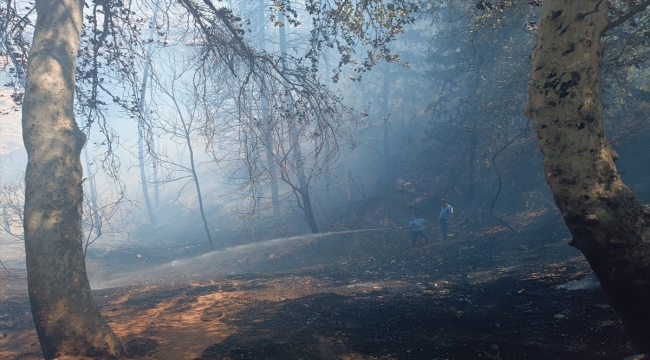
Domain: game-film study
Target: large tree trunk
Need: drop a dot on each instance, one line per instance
(66, 317)
(607, 222)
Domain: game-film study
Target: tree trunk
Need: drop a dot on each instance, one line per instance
(154, 165)
(268, 135)
(5, 217)
(326, 165)
(303, 185)
(471, 170)
(302, 191)
(143, 174)
(141, 123)
(198, 191)
(384, 126)
(609, 226)
(66, 317)
(308, 208)
(187, 131)
(270, 158)
(154, 154)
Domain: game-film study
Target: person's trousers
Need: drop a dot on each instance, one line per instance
(444, 225)
(416, 234)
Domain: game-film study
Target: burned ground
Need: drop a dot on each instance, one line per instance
(485, 293)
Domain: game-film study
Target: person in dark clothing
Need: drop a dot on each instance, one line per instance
(446, 214)
(417, 229)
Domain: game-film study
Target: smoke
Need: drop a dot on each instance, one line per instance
(224, 262)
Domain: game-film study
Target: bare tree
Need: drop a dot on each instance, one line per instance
(12, 198)
(104, 217)
(303, 119)
(142, 123)
(5, 218)
(182, 127)
(53, 180)
(294, 112)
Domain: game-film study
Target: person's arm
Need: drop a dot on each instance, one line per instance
(451, 212)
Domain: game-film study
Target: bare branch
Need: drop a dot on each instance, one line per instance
(633, 11)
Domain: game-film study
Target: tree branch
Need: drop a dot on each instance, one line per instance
(581, 16)
(633, 11)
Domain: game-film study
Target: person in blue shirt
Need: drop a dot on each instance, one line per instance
(446, 214)
(417, 229)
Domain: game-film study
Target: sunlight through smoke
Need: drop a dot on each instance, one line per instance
(228, 261)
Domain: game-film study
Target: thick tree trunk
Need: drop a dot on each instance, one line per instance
(607, 222)
(66, 317)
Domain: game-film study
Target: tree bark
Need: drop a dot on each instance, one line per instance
(609, 226)
(66, 317)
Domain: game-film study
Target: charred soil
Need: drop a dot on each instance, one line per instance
(483, 293)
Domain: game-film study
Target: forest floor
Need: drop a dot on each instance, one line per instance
(484, 293)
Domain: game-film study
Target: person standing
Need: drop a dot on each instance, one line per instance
(446, 214)
(417, 229)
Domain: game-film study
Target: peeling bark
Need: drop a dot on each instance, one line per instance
(609, 226)
(66, 317)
